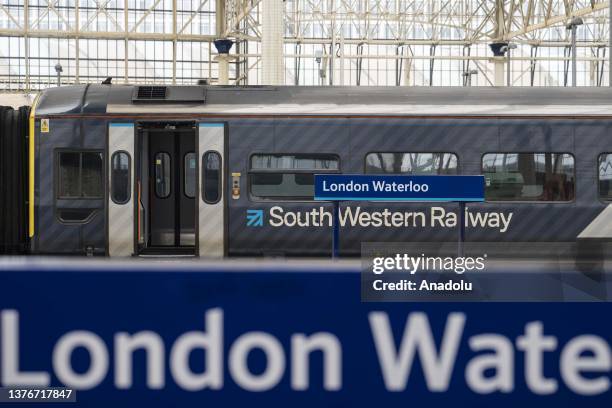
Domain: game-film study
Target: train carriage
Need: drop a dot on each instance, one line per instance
(124, 170)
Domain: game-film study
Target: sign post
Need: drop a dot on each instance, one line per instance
(461, 238)
(336, 231)
(362, 187)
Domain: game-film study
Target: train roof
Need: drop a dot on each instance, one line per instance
(130, 100)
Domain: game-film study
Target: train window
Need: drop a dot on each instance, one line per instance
(162, 174)
(285, 186)
(75, 215)
(529, 176)
(605, 176)
(411, 163)
(294, 162)
(211, 177)
(190, 174)
(80, 175)
(91, 171)
(288, 176)
(120, 177)
(69, 175)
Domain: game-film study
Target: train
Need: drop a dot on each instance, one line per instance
(222, 171)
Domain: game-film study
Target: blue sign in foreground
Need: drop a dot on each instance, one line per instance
(277, 336)
(358, 187)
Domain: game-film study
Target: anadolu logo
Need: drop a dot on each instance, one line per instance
(254, 218)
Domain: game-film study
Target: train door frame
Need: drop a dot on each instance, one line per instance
(121, 137)
(212, 136)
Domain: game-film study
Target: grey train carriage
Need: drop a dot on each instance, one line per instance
(122, 170)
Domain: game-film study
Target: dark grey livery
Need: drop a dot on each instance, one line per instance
(128, 170)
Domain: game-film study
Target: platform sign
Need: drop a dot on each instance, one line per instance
(360, 187)
(224, 335)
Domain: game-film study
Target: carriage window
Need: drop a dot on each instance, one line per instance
(312, 162)
(91, 173)
(120, 177)
(411, 163)
(69, 177)
(162, 174)
(605, 176)
(80, 175)
(529, 176)
(75, 215)
(211, 177)
(288, 177)
(190, 174)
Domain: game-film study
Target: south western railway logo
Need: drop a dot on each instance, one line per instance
(254, 218)
(435, 217)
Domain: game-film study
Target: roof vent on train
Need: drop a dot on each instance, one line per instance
(151, 92)
(168, 94)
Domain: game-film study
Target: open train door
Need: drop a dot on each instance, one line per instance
(211, 198)
(120, 230)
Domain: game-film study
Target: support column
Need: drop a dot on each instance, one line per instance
(174, 39)
(220, 17)
(341, 59)
(223, 61)
(222, 44)
(498, 59)
(126, 41)
(407, 71)
(272, 63)
(26, 41)
(499, 64)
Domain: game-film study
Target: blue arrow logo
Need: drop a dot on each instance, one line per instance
(254, 218)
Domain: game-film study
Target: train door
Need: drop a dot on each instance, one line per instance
(167, 189)
(120, 224)
(210, 190)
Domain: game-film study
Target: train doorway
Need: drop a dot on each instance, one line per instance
(166, 188)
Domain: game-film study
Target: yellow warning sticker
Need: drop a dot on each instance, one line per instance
(44, 126)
